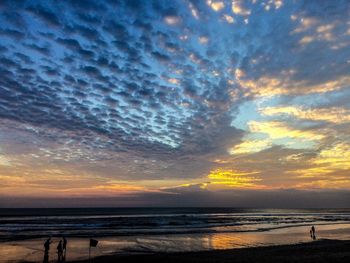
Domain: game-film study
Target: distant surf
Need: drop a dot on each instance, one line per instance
(22, 224)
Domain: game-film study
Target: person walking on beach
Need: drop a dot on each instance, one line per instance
(60, 251)
(313, 230)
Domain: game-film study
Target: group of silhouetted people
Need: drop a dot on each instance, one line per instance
(61, 250)
(313, 233)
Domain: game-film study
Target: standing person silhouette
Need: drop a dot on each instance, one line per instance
(60, 252)
(47, 249)
(64, 248)
(313, 230)
(47, 244)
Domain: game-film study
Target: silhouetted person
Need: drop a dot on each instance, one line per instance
(64, 248)
(313, 230)
(47, 249)
(60, 251)
(47, 244)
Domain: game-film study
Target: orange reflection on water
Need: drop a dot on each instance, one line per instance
(236, 240)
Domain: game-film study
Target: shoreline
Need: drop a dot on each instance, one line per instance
(323, 250)
(126, 247)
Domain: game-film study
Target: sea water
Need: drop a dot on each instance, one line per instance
(142, 230)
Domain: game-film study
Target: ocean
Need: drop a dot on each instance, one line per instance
(23, 231)
(19, 224)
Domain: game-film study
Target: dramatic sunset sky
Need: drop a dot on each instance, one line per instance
(137, 103)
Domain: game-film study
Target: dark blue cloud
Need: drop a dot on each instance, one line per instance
(47, 15)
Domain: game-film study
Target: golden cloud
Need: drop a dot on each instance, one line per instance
(231, 178)
(315, 31)
(216, 5)
(229, 19)
(239, 9)
(119, 188)
(250, 146)
(278, 130)
(333, 115)
(334, 183)
(314, 172)
(4, 161)
(173, 81)
(267, 86)
(306, 40)
(273, 4)
(329, 169)
(305, 23)
(336, 157)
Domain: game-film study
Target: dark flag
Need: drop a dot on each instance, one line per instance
(93, 242)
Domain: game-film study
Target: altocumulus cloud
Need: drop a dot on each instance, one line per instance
(154, 90)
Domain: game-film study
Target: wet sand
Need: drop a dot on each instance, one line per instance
(318, 251)
(109, 247)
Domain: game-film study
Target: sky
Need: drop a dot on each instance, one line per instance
(175, 103)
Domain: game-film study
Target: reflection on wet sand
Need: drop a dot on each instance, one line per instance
(33, 250)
